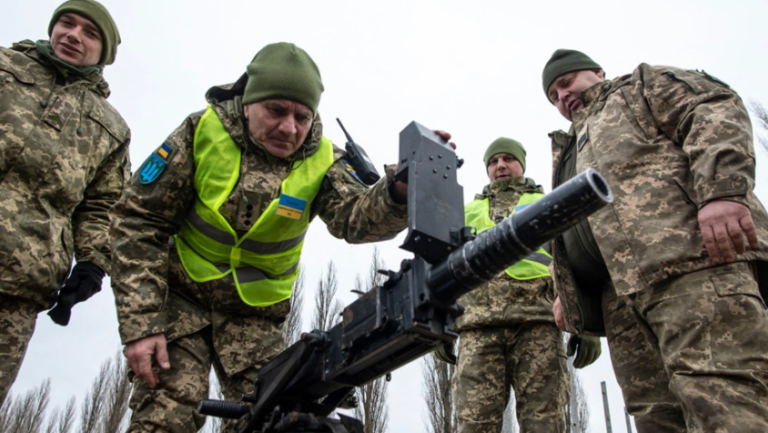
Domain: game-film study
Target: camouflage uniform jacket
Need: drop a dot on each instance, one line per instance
(63, 164)
(504, 300)
(147, 215)
(668, 141)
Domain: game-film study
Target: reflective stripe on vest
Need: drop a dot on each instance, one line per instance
(264, 261)
(536, 265)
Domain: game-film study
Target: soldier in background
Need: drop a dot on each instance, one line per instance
(208, 235)
(687, 326)
(63, 163)
(508, 337)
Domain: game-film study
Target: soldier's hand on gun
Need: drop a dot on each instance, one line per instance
(399, 190)
(139, 354)
(723, 222)
(587, 350)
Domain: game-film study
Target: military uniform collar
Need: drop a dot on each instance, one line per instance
(594, 97)
(515, 184)
(94, 81)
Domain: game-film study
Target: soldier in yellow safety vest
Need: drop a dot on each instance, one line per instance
(507, 335)
(208, 235)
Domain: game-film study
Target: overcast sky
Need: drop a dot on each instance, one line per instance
(471, 68)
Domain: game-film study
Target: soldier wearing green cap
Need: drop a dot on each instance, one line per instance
(63, 161)
(208, 235)
(507, 334)
(665, 271)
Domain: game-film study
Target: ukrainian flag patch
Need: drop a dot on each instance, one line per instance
(291, 207)
(154, 166)
(351, 170)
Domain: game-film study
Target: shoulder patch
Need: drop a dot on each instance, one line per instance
(155, 165)
(351, 170)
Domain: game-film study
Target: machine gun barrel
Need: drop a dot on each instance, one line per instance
(413, 311)
(517, 237)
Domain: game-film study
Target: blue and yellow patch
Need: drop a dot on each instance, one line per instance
(291, 207)
(154, 166)
(521, 207)
(351, 170)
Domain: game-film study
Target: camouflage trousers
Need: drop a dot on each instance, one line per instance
(691, 354)
(171, 406)
(529, 358)
(208, 325)
(17, 324)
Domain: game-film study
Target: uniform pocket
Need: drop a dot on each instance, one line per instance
(19, 75)
(736, 279)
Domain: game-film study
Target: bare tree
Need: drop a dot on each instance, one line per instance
(327, 307)
(212, 423)
(762, 123)
(118, 393)
(372, 397)
(577, 410)
(25, 414)
(292, 326)
(510, 416)
(441, 416)
(62, 420)
(92, 409)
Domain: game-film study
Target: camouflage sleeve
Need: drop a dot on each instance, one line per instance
(711, 123)
(90, 221)
(354, 212)
(142, 221)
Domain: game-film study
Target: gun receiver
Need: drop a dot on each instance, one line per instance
(413, 312)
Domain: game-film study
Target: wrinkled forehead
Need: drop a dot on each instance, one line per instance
(288, 104)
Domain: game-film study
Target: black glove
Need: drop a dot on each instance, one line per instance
(587, 350)
(445, 353)
(83, 282)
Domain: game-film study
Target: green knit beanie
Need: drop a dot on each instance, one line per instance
(565, 61)
(283, 71)
(96, 12)
(505, 145)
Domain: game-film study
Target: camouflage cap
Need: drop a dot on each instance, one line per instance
(564, 61)
(100, 16)
(284, 71)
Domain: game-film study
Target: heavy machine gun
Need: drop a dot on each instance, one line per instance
(413, 312)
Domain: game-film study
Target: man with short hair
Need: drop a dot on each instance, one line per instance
(507, 334)
(63, 161)
(686, 324)
(208, 235)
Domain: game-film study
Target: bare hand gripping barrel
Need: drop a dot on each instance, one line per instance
(413, 312)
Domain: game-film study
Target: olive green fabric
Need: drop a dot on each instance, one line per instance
(96, 12)
(565, 61)
(505, 145)
(44, 48)
(284, 71)
(584, 257)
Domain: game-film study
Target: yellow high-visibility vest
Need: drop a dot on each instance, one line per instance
(535, 265)
(263, 262)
